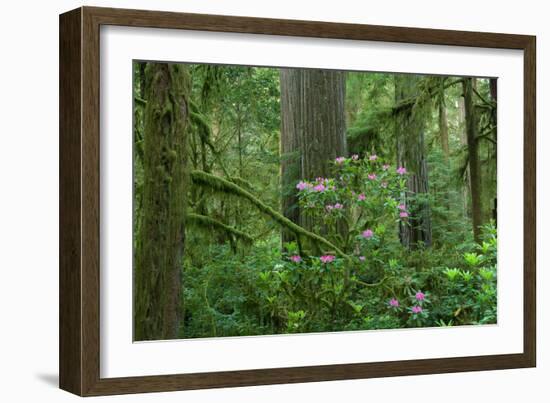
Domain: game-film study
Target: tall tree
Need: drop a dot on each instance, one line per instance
(465, 172)
(160, 238)
(313, 130)
(473, 158)
(494, 94)
(443, 122)
(409, 123)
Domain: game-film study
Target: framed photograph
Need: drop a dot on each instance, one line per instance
(248, 201)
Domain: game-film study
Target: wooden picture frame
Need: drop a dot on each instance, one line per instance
(79, 346)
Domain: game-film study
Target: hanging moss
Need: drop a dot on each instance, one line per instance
(223, 185)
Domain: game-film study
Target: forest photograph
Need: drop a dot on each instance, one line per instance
(275, 200)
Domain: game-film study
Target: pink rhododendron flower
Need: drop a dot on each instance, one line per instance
(338, 206)
(385, 167)
(302, 185)
(327, 258)
(403, 214)
(420, 296)
(402, 206)
(371, 176)
(362, 258)
(355, 157)
(296, 258)
(416, 309)
(319, 188)
(384, 185)
(340, 160)
(368, 233)
(361, 197)
(373, 157)
(394, 303)
(401, 170)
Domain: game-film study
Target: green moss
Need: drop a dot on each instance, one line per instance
(161, 235)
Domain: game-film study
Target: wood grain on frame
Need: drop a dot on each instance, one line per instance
(79, 200)
(70, 315)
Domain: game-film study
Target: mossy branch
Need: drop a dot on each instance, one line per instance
(237, 180)
(489, 104)
(140, 101)
(220, 184)
(205, 221)
(371, 284)
(427, 94)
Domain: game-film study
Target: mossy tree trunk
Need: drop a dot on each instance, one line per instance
(473, 158)
(313, 131)
(411, 154)
(160, 239)
(494, 93)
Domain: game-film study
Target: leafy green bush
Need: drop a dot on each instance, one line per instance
(267, 292)
(355, 208)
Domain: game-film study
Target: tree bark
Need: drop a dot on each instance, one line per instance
(160, 241)
(494, 94)
(142, 79)
(313, 131)
(411, 154)
(473, 159)
(443, 124)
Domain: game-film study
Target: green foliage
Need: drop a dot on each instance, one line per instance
(269, 292)
(471, 290)
(370, 128)
(348, 270)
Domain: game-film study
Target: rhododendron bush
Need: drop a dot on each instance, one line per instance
(364, 197)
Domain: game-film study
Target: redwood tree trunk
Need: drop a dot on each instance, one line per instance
(159, 243)
(473, 159)
(411, 154)
(313, 130)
